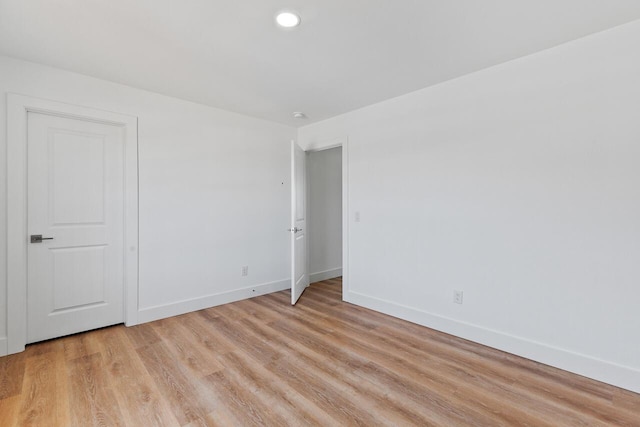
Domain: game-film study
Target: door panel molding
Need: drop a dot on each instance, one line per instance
(18, 107)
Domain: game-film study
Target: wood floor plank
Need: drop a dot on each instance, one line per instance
(185, 347)
(299, 362)
(275, 391)
(142, 335)
(184, 394)
(408, 362)
(44, 347)
(93, 403)
(11, 375)
(317, 389)
(420, 393)
(230, 312)
(259, 349)
(137, 395)
(9, 410)
(40, 403)
(63, 402)
(246, 408)
(451, 361)
(332, 362)
(322, 362)
(200, 327)
(255, 310)
(78, 345)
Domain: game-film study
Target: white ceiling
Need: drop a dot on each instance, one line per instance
(345, 55)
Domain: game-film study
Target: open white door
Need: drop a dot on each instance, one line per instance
(299, 276)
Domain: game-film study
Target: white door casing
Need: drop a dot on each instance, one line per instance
(73, 242)
(299, 274)
(75, 200)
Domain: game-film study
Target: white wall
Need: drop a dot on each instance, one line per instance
(519, 185)
(214, 191)
(324, 177)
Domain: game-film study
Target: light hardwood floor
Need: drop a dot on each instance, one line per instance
(261, 362)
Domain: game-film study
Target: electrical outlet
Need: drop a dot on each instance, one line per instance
(457, 297)
(245, 270)
(357, 216)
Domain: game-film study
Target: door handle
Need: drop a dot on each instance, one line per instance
(37, 238)
(295, 230)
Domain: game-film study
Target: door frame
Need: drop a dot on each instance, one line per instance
(18, 107)
(326, 145)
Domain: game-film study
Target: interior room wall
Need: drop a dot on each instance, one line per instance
(324, 178)
(213, 191)
(517, 185)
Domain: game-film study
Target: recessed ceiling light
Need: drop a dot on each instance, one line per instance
(299, 115)
(288, 19)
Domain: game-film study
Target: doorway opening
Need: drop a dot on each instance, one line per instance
(325, 216)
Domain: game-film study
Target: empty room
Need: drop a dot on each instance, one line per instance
(323, 213)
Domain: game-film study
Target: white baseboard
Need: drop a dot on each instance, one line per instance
(4, 348)
(325, 275)
(600, 370)
(181, 307)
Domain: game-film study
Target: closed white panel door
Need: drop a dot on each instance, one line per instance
(75, 206)
(299, 275)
